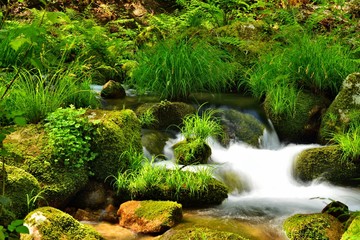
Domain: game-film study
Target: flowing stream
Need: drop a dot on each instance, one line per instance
(264, 191)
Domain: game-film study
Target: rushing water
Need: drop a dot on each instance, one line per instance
(264, 191)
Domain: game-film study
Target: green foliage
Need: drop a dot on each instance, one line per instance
(147, 118)
(313, 64)
(37, 94)
(70, 134)
(201, 127)
(349, 139)
(13, 230)
(149, 178)
(175, 69)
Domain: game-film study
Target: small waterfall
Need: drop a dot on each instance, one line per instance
(261, 180)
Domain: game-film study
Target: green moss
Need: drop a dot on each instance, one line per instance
(52, 224)
(18, 185)
(117, 132)
(166, 114)
(201, 233)
(192, 152)
(337, 117)
(163, 211)
(317, 226)
(240, 127)
(353, 230)
(303, 125)
(325, 162)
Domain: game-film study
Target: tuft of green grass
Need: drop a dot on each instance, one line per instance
(349, 139)
(201, 126)
(175, 69)
(37, 94)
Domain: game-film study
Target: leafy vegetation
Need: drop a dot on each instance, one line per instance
(70, 134)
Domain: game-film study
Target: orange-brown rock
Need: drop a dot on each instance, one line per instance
(149, 216)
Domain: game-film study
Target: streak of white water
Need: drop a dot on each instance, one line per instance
(263, 184)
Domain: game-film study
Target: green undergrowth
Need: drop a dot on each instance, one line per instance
(174, 69)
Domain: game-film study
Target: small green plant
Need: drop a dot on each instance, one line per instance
(147, 118)
(70, 135)
(175, 69)
(349, 139)
(13, 230)
(33, 198)
(201, 126)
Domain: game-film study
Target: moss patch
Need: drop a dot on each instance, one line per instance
(48, 223)
(18, 185)
(337, 117)
(353, 230)
(192, 152)
(304, 125)
(325, 163)
(319, 226)
(117, 132)
(159, 210)
(202, 233)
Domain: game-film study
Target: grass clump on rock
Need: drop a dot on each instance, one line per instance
(158, 183)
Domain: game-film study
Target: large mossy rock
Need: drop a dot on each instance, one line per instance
(240, 126)
(117, 132)
(29, 148)
(196, 233)
(313, 226)
(166, 114)
(325, 163)
(59, 184)
(353, 230)
(303, 126)
(112, 89)
(150, 216)
(49, 223)
(338, 116)
(19, 185)
(191, 152)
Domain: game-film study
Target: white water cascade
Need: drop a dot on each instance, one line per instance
(262, 183)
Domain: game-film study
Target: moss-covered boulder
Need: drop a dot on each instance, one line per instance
(150, 216)
(208, 192)
(112, 89)
(196, 233)
(325, 163)
(19, 185)
(29, 148)
(154, 141)
(338, 115)
(303, 126)
(166, 114)
(117, 132)
(313, 226)
(240, 126)
(59, 184)
(49, 223)
(191, 152)
(353, 229)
